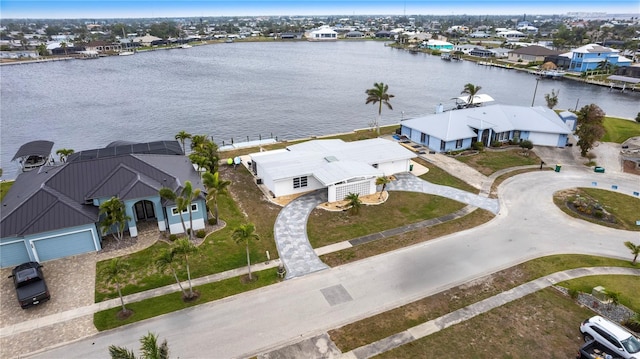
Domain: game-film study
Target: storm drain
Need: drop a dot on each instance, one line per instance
(336, 295)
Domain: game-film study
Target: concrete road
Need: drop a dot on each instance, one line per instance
(529, 225)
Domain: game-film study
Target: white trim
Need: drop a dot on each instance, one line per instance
(35, 252)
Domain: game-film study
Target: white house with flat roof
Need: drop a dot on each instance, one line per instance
(340, 167)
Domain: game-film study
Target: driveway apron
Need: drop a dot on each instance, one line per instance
(290, 232)
(409, 182)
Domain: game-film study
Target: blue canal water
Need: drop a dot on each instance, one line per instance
(239, 90)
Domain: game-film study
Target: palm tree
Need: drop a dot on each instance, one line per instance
(148, 346)
(183, 203)
(552, 98)
(635, 250)
(214, 186)
(182, 136)
(185, 247)
(378, 94)
(382, 181)
(64, 153)
(244, 233)
(471, 90)
(355, 203)
(114, 216)
(164, 260)
(64, 46)
(113, 273)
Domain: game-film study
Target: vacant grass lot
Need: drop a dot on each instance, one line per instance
(619, 130)
(623, 207)
(380, 326)
(488, 161)
(540, 325)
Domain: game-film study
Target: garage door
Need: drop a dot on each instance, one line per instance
(64, 245)
(544, 139)
(13, 253)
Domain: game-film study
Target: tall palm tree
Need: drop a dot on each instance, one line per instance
(355, 203)
(182, 136)
(378, 94)
(214, 186)
(148, 346)
(165, 259)
(64, 153)
(382, 181)
(245, 233)
(185, 247)
(183, 202)
(113, 273)
(471, 90)
(635, 250)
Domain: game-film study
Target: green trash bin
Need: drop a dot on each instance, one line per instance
(558, 167)
(410, 167)
(598, 169)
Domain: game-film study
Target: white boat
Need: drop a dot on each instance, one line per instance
(126, 53)
(185, 46)
(551, 74)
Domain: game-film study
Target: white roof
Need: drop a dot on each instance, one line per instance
(331, 161)
(438, 43)
(478, 98)
(459, 124)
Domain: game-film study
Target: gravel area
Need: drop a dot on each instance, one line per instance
(618, 313)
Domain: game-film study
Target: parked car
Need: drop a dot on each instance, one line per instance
(31, 288)
(612, 336)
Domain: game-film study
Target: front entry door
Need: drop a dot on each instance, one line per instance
(144, 210)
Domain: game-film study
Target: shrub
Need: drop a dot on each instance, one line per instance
(574, 293)
(201, 233)
(496, 143)
(526, 144)
(211, 221)
(173, 237)
(638, 117)
(478, 146)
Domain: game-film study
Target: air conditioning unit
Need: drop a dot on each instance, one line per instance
(259, 180)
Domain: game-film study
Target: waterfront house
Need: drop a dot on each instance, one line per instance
(324, 33)
(53, 212)
(589, 57)
(103, 47)
(437, 45)
(333, 165)
(480, 52)
(459, 129)
(147, 40)
(533, 53)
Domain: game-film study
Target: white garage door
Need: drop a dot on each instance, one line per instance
(13, 253)
(544, 139)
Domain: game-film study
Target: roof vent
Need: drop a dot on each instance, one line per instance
(331, 159)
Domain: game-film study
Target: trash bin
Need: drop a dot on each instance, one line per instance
(598, 169)
(410, 167)
(558, 167)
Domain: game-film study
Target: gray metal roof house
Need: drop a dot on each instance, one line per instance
(459, 129)
(53, 212)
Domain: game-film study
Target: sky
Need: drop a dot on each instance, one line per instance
(101, 9)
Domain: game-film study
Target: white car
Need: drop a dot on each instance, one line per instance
(611, 335)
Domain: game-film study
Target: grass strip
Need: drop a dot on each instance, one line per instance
(619, 130)
(152, 307)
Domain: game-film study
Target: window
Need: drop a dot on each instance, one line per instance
(300, 182)
(458, 143)
(194, 208)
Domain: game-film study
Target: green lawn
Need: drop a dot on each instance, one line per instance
(622, 206)
(619, 130)
(627, 286)
(168, 303)
(4, 188)
(439, 176)
(488, 161)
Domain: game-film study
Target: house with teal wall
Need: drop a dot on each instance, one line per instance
(53, 211)
(437, 45)
(457, 130)
(589, 57)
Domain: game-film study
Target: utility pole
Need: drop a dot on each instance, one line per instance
(534, 91)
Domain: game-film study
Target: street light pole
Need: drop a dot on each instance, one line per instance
(534, 91)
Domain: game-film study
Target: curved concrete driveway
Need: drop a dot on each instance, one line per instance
(290, 233)
(528, 225)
